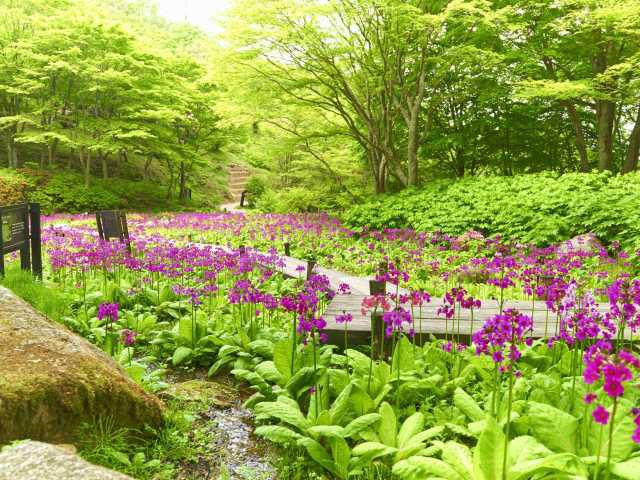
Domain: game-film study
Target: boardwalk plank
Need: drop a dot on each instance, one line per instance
(427, 320)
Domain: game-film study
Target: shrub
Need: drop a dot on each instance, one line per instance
(539, 208)
(255, 188)
(65, 192)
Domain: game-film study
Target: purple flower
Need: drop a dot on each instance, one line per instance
(128, 337)
(502, 334)
(601, 415)
(108, 311)
(344, 318)
(589, 398)
(395, 320)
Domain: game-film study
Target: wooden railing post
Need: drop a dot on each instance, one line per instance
(36, 239)
(377, 324)
(310, 266)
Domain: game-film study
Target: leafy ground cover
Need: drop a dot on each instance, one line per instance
(534, 208)
(488, 410)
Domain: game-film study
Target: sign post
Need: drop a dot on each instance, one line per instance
(20, 232)
(113, 224)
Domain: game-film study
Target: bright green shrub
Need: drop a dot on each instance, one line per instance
(66, 193)
(540, 208)
(255, 187)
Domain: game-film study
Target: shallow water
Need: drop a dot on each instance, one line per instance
(244, 454)
(223, 430)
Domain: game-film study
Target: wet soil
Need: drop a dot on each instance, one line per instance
(222, 430)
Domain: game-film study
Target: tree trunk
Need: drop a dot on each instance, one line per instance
(412, 151)
(171, 180)
(581, 145)
(50, 153)
(633, 150)
(182, 194)
(12, 151)
(147, 165)
(87, 168)
(105, 166)
(9, 153)
(605, 116)
(43, 156)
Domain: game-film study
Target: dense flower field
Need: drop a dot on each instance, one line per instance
(204, 289)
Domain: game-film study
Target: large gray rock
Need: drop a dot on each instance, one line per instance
(52, 381)
(584, 244)
(31, 460)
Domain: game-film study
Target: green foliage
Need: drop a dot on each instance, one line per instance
(80, 86)
(255, 187)
(43, 297)
(64, 191)
(539, 208)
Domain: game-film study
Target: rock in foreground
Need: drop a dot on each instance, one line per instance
(35, 460)
(52, 381)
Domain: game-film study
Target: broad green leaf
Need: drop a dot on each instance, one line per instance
(341, 454)
(421, 468)
(387, 429)
(180, 355)
(283, 412)
(340, 406)
(263, 348)
(467, 405)
(411, 426)
(459, 457)
(427, 434)
(562, 465)
(525, 448)
(319, 454)
(330, 431)
(277, 434)
(488, 454)
(361, 423)
(403, 358)
(268, 371)
(546, 421)
(372, 450)
(628, 470)
(282, 357)
(622, 430)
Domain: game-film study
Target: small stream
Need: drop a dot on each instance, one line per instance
(244, 457)
(223, 430)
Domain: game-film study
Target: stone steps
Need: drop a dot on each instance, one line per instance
(238, 177)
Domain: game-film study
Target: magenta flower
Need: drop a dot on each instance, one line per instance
(108, 311)
(589, 398)
(128, 337)
(502, 334)
(344, 318)
(601, 415)
(395, 320)
(614, 369)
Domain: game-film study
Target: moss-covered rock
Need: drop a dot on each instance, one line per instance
(52, 381)
(205, 391)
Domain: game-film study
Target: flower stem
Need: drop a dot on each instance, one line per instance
(506, 440)
(597, 468)
(609, 447)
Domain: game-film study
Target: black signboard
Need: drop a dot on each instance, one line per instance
(14, 227)
(20, 232)
(113, 224)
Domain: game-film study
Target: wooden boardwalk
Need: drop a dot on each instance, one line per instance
(426, 319)
(427, 322)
